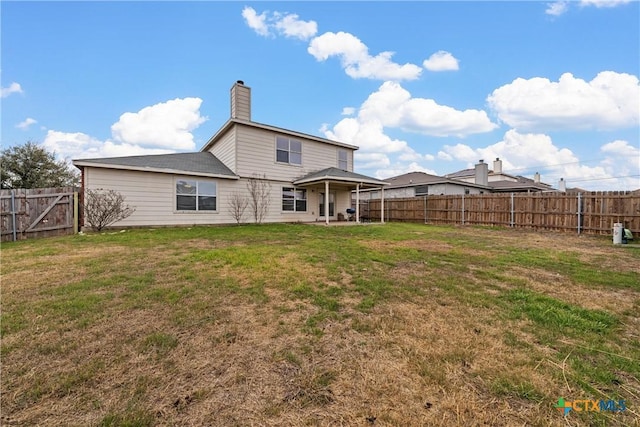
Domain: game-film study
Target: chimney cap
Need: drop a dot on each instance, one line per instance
(240, 82)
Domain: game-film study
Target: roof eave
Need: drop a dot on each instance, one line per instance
(80, 163)
(355, 181)
(229, 123)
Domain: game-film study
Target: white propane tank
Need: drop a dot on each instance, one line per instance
(618, 229)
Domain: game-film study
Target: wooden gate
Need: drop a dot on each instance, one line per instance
(38, 212)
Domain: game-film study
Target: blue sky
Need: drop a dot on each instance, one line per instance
(548, 87)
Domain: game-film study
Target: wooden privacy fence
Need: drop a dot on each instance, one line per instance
(587, 212)
(38, 212)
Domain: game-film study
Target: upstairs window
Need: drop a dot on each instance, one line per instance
(288, 151)
(193, 195)
(294, 200)
(343, 160)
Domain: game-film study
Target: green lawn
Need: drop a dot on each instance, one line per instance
(396, 324)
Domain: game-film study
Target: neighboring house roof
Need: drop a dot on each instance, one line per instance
(413, 179)
(502, 186)
(521, 183)
(338, 175)
(283, 131)
(199, 164)
(464, 173)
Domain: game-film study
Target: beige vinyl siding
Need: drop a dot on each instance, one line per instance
(225, 149)
(256, 155)
(153, 195)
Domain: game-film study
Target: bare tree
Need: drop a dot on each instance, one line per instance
(104, 207)
(259, 197)
(237, 205)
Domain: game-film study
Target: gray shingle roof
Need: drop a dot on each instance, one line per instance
(335, 174)
(203, 163)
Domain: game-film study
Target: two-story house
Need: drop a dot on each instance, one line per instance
(306, 178)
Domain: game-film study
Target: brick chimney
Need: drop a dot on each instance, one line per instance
(482, 173)
(240, 101)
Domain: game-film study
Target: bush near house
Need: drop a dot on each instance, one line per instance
(396, 324)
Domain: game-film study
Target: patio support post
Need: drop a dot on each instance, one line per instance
(381, 205)
(326, 202)
(357, 203)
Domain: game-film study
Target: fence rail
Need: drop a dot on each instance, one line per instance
(38, 212)
(588, 212)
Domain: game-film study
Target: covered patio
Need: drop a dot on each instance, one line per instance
(333, 181)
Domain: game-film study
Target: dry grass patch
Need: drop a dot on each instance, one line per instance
(391, 325)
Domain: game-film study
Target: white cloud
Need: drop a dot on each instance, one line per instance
(527, 153)
(12, 88)
(393, 106)
(410, 155)
(622, 148)
(348, 111)
(622, 160)
(560, 7)
(167, 125)
(355, 58)
(159, 129)
(441, 61)
(443, 155)
(24, 125)
(610, 101)
(398, 169)
(557, 8)
(371, 160)
(257, 23)
(368, 135)
(290, 26)
(286, 24)
(77, 145)
(603, 3)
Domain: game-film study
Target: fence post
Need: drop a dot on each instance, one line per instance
(512, 219)
(579, 211)
(75, 212)
(425, 209)
(463, 209)
(13, 214)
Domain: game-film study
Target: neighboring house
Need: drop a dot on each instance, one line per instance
(479, 180)
(414, 184)
(308, 178)
(497, 180)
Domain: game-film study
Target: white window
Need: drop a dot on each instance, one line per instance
(422, 190)
(343, 160)
(294, 199)
(288, 151)
(194, 195)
